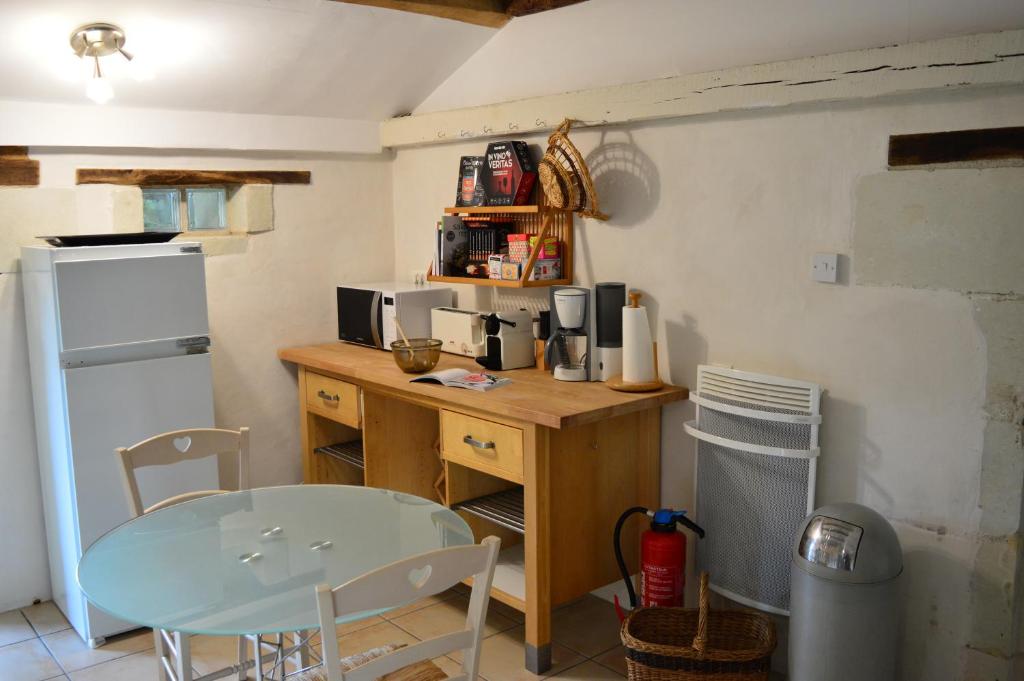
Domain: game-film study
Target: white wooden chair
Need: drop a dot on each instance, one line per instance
(182, 445)
(396, 584)
(163, 450)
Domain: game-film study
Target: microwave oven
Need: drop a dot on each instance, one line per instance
(367, 312)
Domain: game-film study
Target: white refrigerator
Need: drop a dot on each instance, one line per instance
(119, 351)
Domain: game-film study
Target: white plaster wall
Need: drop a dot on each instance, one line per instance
(24, 572)
(716, 219)
(279, 292)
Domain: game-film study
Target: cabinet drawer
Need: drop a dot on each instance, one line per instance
(337, 400)
(482, 445)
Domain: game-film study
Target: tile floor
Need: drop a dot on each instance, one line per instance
(36, 643)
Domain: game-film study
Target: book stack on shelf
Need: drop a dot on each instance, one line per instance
(498, 233)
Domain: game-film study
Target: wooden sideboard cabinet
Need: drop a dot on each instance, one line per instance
(545, 465)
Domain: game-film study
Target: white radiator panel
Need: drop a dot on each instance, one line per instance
(757, 447)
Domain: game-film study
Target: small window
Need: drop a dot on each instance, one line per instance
(160, 210)
(184, 209)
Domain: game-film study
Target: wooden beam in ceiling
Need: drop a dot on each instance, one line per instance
(490, 13)
(520, 8)
(164, 177)
(984, 60)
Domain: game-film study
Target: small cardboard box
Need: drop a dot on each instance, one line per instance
(511, 271)
(547, 269)
(550, 250)
(509, 173)
(496, 265)
(519, 247)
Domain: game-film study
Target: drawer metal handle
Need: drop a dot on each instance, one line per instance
(324, 395)
(477, 444)
(250, 557)
(321, 545)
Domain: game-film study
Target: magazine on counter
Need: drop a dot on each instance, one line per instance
(462, 378)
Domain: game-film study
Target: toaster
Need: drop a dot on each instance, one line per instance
(460, 331)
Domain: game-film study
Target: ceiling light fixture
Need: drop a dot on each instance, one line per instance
(93, 41)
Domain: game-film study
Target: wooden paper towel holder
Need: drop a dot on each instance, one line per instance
(616, 382)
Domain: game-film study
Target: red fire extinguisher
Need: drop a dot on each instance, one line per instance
(662, 558)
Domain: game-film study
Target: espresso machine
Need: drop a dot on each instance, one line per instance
(509, 341)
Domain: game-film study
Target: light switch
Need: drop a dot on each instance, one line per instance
(824, 266)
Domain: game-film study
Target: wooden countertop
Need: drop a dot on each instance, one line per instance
(533, 396)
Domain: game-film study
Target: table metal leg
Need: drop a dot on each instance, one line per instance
(184, 661)
(243, 653)
(301, 639)
(162, 653)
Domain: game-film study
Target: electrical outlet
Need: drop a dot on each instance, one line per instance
(418, 278)
(824, 267)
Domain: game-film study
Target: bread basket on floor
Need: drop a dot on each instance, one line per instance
(680, 644)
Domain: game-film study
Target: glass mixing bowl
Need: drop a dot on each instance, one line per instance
(419, 355)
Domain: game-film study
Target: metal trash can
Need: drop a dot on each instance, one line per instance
(844, 598)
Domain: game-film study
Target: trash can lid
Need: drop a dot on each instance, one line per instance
(848, 543)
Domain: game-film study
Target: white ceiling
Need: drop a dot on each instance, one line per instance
(318, 58)
(283, 57)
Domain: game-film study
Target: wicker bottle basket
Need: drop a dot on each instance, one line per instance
(565, 178)
(679, 644)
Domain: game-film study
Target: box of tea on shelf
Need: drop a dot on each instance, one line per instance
(547, 269)
(511, 271)
(519, 247)
(549, 250)
(494, 265)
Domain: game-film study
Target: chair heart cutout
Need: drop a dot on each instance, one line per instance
(419, 576)
(182, 444)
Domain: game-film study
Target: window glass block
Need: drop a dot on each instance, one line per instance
(205, 207)
(160, 210)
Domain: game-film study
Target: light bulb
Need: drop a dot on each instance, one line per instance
(99, 90)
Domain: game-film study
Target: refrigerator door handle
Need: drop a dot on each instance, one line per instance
(194, 344)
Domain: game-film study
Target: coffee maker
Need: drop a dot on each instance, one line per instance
(568, 347)
(600, 348)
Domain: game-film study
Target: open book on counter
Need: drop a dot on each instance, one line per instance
(462, 378)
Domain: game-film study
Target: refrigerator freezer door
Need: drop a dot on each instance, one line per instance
(119, 301)
(117, 405)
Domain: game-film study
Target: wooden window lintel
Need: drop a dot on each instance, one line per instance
(193, 178)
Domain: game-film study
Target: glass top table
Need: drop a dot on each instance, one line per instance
(247, 562)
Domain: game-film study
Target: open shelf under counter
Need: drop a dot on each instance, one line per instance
(502, 508)
(349, 452)
(509, 582)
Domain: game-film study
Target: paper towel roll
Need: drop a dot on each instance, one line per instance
(637, 350)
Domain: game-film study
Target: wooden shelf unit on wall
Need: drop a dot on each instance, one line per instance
(535, 219)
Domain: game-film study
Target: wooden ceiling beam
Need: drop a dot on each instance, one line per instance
(520, 8)
(489, 13)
